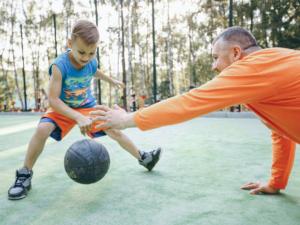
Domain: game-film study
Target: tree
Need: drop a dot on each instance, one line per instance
(123, 57)
(12, 56)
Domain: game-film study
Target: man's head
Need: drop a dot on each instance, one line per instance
(84, 41)
(231, 45)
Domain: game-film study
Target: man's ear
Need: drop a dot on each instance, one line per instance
(69, 43)
(237, 52)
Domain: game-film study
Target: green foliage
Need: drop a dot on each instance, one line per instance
(276, 22)
(183, 41)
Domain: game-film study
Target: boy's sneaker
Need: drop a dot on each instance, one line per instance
(22, 184)
(149, 159)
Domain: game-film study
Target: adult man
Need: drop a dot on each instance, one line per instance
(267, 81)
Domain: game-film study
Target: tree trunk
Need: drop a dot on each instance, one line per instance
(130, 82)
(141, 71)
(14, 57)
(170, 55)
(230, 20)
(97, 82)
(123, 58)
(23, 70)
(154, 54)
(117, 100)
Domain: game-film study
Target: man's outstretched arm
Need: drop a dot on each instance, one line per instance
(116, 118)
(224, 90)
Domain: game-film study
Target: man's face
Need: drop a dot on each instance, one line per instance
(224, 54)
(82, 52)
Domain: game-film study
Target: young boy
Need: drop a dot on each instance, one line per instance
(71, 100)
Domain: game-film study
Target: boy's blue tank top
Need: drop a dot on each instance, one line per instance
(76, 84)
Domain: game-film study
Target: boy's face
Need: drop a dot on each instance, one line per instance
(82, 52)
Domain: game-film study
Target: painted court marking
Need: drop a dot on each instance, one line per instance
(17, 128)
(19, 149)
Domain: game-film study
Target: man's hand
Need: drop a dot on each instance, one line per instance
(84, 123)
(116, 118)
(257, 188)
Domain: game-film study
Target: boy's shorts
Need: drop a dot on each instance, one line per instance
(64, 124)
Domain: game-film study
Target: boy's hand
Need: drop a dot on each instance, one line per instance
(84, 123)
(257, 188)
(118, 84)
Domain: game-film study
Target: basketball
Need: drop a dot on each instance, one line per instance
(86, 161)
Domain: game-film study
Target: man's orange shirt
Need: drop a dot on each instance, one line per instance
(267, 81)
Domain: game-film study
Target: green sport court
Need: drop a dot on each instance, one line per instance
(197, 181)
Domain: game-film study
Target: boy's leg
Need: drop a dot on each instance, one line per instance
(23, 176)
(146, 159)
(37, 143)
(124, 142)
(51, 123)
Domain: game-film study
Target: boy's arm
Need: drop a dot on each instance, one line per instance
(60, 107)
(114, 82)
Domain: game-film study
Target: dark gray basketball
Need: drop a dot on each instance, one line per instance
(86, 161)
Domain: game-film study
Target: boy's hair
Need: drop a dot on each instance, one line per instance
(237, 35)
(86, 30)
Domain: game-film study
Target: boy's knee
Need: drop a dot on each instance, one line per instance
(44, 130)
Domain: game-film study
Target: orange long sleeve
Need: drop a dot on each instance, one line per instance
(283, 160)
(267, 81)
(222, 91)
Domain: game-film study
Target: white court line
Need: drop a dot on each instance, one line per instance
(22, 148)
(17, 128)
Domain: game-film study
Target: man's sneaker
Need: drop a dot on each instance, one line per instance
(149, 159)
(22, 184)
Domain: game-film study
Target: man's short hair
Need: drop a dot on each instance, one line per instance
(237, 35)
(86, 30)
